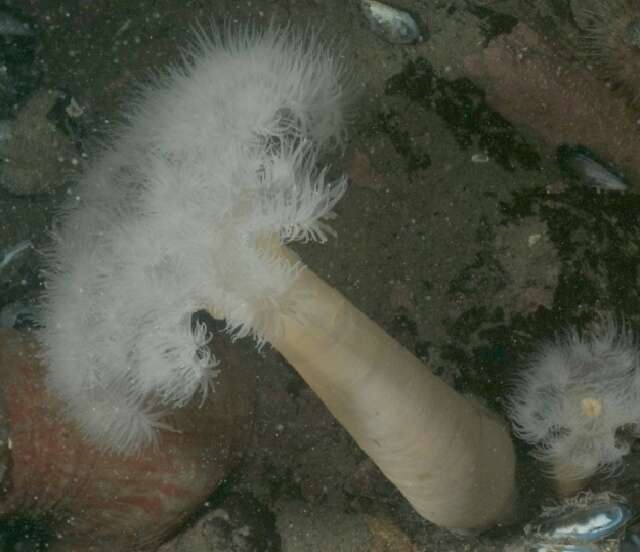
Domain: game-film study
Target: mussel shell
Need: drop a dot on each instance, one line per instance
(581, 163)
(590, 524)
(584, 547)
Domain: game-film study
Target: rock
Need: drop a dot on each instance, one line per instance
(387, 536)
(529, 84)
(238, 524)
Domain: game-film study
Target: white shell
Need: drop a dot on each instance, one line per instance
(391, 24)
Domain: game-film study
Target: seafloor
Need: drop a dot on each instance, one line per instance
(459, 235)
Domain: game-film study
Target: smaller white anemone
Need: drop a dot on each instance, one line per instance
(578, 400)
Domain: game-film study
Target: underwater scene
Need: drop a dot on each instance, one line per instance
(320, 276)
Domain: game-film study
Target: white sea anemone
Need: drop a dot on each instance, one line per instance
(576, 397)
(215, 156)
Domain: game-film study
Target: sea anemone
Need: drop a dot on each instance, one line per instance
(213, 172)
(244, 115)
(579, 400)
(610, 42)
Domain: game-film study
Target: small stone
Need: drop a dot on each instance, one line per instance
(533, 239)
(480, 158)
(387, 536)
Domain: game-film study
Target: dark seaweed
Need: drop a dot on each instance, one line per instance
(596, 237)
(461, 104)
(492, 23)
(390, 124)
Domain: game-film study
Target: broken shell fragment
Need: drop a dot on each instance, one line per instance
(391, 24)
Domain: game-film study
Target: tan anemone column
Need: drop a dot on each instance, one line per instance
(449, 456)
